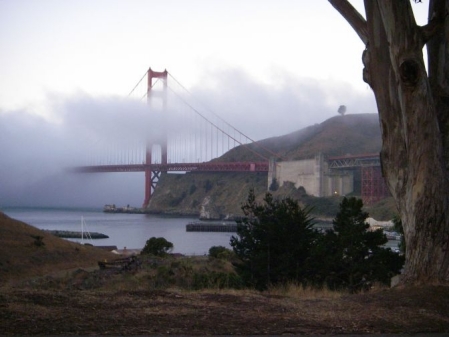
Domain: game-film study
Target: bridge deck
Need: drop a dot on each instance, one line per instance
(178, 167)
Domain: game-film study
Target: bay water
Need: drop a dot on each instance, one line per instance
(124, 230)
(129, 231)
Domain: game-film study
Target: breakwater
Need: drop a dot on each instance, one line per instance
(77, 235)
(201, 226)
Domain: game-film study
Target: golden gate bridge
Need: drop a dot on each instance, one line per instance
(180, 138)
(184, 136)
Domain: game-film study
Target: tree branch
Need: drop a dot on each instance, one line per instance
(435, 25)
(357, 22)
(437, 17)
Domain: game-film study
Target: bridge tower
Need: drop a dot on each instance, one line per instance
(374, 187)
(152, 176)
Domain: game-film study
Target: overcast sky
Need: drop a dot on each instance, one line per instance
(67, 67)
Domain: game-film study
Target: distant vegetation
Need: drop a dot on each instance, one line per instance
(337, 136)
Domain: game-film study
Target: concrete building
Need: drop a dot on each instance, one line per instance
(313, 175)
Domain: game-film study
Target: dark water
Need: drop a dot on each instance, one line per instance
(124, 230)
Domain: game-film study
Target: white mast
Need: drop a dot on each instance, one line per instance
(82, 230)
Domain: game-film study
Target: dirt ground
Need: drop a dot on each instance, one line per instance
(34, 309)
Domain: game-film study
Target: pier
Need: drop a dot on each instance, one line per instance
(211, 227)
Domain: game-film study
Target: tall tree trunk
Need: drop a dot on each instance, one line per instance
(413, 120)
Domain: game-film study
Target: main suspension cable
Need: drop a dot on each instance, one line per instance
(144, 75)
(224, 121)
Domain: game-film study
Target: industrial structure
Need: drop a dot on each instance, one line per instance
(331, 176)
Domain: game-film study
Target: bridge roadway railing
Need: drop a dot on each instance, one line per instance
(178, 167)
(354, 161)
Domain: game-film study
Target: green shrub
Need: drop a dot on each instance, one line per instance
(157, 247)
(177, 200)
(38, 240)
(216, 280)
(220, 252)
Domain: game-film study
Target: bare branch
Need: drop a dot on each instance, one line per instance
(357, 22)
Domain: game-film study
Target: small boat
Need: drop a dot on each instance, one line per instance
(84, 231)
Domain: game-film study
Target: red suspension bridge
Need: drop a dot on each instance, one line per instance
(182, 136)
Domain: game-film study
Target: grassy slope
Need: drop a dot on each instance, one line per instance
(20, 257)
(339, 135)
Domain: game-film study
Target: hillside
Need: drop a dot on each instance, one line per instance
(22, 256)
(217, 195)
(339, 135)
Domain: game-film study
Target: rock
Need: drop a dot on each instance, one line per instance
(208, 210)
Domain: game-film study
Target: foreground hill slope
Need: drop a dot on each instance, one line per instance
(217, 195)
(22, 255)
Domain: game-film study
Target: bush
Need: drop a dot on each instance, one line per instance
(216, 280)
(175, 201)
(220, 252)
(190, 273)
(157, 247)
(38, 240)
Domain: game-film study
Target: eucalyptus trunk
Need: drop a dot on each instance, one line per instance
(413, 107)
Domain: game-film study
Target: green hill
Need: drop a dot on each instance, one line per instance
(217, 195)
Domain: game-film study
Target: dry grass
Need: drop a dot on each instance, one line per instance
(141, 311)
(20, 257)
(306, 293)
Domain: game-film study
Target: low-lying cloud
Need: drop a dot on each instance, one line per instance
(36, 151)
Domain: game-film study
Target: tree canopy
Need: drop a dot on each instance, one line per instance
(350, 255)
(277, 243)
(273, 241)
(157, 246)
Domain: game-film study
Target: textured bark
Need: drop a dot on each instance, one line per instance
(413, 112)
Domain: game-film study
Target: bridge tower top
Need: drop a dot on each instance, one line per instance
(156, 74)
